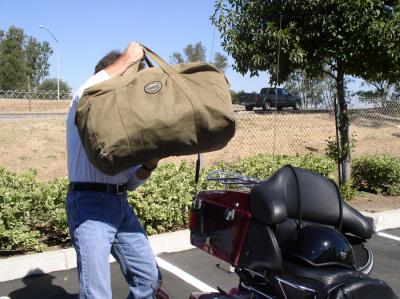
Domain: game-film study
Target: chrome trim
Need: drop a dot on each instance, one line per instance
(251, 289)
(296, 286)
(229, 214)
(197, 204)
(367, 268)
(231, 178)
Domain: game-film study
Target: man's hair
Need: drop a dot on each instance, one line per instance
(107, 60)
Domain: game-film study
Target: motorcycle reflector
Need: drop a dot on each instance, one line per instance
(218, 223)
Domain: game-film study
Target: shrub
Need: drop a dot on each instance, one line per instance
(163, 203)
(377, 174)
(262, 166)
(18, 194)
(32, 213)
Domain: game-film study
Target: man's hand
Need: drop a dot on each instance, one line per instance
(132, 54)
(146, 169)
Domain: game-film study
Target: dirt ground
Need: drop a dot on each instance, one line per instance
(40, 142)
(373, 203)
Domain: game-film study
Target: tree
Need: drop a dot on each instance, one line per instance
(380, 95)
(22, 57)
(51, 85)
(37, 56)
(220, 61)
(197, 53)
(335, 37)
(235, 95)
(12, 63)
(309, 89)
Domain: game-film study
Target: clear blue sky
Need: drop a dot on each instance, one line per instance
(86, 30)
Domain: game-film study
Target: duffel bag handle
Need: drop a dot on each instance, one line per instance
(163, 65)
(130, 73)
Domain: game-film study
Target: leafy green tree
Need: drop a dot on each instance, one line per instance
(197, 53)
(22, 57)
(37, 56)
(13, 68)
(382, 93)
(176, 58)
(220, 61)
(51, 85)
(335, 37)
(308, 89)
(235, 95)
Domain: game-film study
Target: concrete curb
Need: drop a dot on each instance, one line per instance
(385, 220)
(64, 259)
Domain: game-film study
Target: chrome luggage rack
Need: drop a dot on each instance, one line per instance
(231, 178)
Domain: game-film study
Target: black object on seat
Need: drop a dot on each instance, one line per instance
(308, 195)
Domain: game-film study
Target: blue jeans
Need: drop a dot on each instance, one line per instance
(103, 223)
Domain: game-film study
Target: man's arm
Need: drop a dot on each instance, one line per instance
(141, 174)
(146, 169)
(132, 54)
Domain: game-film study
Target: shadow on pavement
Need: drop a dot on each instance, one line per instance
(41, 286)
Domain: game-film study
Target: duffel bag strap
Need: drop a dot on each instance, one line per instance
(129, 74)
(163, 65)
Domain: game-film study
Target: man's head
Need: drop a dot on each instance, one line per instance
(107, 60)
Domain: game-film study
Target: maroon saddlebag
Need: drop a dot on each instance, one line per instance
(219, 221)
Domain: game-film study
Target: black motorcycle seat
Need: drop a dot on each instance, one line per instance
(276, 199)
(327, 275)
(361, 289)
(339, 283)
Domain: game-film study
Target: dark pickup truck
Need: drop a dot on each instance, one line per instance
(267, 99)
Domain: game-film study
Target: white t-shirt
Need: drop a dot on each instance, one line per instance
(80, 169)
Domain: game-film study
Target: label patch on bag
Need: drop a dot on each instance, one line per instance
(153, 87)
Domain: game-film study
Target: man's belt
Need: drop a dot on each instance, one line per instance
(98, 187)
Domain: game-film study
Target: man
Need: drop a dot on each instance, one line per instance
(100, 219)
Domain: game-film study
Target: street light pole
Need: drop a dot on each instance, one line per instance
(58, 60)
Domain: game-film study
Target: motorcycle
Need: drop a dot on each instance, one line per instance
(290, 236)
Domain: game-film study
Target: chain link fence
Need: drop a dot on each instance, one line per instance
(376, 129)
(34, 95)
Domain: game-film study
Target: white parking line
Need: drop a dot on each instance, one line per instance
(184, 276)
(388, 236)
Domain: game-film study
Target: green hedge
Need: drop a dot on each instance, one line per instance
(377, 174)
(32, 213)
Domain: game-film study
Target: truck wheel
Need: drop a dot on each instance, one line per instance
(297, 105)
(248, 108)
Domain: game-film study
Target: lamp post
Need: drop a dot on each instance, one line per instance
(58, 60)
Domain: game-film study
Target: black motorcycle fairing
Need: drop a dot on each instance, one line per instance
(318, 196)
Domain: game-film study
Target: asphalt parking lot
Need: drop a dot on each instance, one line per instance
(189, 271)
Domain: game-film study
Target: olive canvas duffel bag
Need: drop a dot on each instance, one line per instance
(154, 113)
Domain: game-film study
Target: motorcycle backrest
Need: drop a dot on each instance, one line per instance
(301, 194)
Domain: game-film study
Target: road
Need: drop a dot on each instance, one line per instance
(200, 272)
